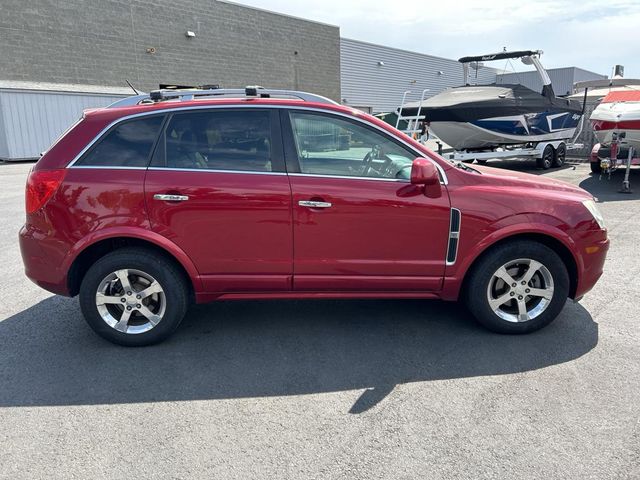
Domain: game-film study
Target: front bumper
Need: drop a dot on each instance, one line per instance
(594, 254)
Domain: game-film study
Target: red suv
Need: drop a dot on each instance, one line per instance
(196, 195)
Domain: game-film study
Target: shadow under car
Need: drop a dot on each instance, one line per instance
(236, 349)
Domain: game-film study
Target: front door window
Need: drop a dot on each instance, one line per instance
(327, 145)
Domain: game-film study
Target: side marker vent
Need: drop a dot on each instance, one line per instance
(454, 236)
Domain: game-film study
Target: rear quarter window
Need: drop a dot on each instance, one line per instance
(128, 144)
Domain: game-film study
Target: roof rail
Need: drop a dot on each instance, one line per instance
(191, 94)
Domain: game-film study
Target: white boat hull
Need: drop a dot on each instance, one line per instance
(461, 136)
(620, 118)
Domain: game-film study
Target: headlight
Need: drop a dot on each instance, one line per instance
(593, 209)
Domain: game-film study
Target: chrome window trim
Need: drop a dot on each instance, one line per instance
(350, 177)
(106, 167)
(165, 111)
(212, 170)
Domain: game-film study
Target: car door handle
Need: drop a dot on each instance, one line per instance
(169, 197)
(314, 204)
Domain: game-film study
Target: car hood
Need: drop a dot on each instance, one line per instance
(500, 176)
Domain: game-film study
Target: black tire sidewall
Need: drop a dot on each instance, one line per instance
(559, 155)
(542, 163)
(163, 271)
(478, 302)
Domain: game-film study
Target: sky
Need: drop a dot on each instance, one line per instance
(591, 34)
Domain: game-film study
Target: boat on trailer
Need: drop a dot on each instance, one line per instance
(485, 117)
(616, 125)
(618, 114)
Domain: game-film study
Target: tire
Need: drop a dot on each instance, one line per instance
(161, 291)
(560, 155)
(485, 283)
(546, 161)
(595, 167)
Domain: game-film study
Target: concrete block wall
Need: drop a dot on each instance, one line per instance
(104, 42)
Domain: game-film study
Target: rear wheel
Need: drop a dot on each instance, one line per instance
(560, 155)
(546, 160)
(595, 167)
(133, 297)
(518, 287)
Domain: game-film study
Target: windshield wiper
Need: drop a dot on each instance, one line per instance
(465, 167)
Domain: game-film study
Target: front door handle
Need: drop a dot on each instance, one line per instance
(169, 197)
(314, 204)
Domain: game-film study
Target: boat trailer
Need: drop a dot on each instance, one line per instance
(610, 164)
(539, 151)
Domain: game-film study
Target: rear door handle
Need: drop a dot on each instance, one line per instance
(314, 204)
(168, 197)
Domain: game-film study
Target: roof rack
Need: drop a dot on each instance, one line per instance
(190, 94)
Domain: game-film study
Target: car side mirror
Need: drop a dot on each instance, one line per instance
(425, 173)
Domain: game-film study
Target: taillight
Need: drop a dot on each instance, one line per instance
(41, 184)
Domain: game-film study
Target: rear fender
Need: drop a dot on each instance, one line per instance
(139, 234)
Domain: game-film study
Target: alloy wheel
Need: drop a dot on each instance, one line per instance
(520, 290)
(130, 301)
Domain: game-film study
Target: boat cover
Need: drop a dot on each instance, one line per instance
(471, 103)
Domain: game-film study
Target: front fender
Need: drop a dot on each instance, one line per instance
(523, 224)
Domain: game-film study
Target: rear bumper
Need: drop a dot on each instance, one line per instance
(41, 258)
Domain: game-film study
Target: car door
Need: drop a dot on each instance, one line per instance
(359, 224)
(217, 187)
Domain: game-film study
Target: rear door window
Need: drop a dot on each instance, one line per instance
(237, 140)
(129, 144)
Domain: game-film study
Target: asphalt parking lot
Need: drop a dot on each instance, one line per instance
(326, 389)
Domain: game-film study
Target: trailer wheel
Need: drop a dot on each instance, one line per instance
(546, 161)
(560, 155)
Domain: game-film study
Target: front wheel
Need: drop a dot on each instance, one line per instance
(133, 297)
(518, 287)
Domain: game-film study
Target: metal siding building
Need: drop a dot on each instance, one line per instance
(76, 45)
(33, 115)
(562, 79)
(104, 42)
(374, 77)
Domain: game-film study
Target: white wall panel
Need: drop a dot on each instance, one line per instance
(30, 120)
